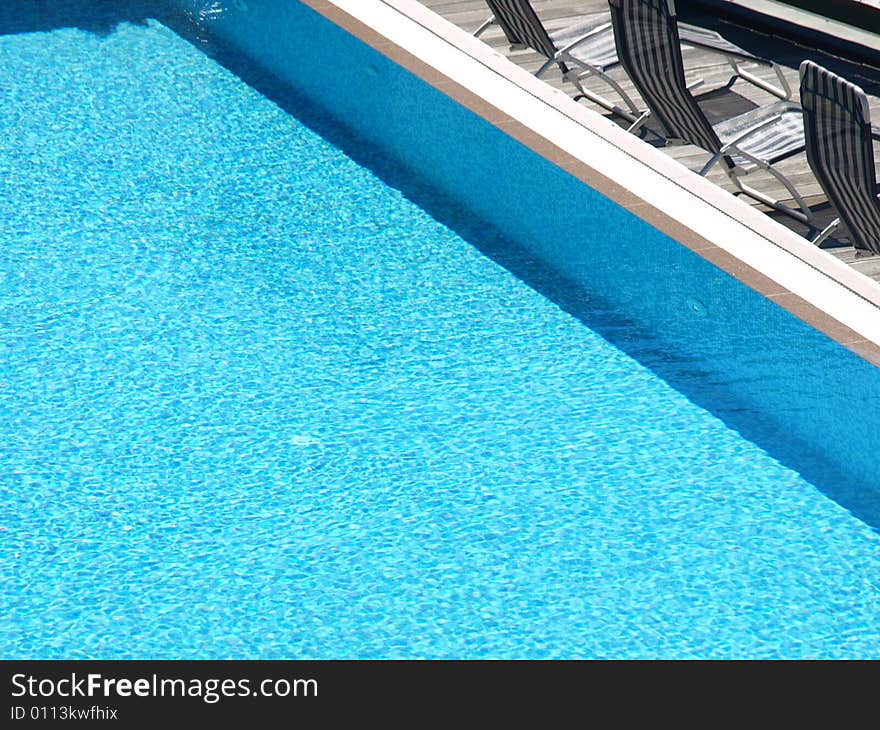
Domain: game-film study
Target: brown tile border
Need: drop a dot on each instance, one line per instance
(672, 227)
(865, 349)
(808, 312)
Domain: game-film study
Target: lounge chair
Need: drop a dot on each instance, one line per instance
(587, 49)
(647, 37)
(839, 134)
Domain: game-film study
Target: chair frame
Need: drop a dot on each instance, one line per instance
(576, 71)
(702, 132)
(562, 58)
(870, 133)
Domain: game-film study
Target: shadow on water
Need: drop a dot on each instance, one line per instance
(95, 16)
(683, 374)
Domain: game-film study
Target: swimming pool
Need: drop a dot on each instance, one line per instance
(265, 393)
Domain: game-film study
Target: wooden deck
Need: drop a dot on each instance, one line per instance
(717, 98)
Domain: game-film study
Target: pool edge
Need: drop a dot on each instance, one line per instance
(848, 311)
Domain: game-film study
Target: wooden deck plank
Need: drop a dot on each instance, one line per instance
(715, 72)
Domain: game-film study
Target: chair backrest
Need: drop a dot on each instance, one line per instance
(837, 128)
(521, 25)
(648, 46)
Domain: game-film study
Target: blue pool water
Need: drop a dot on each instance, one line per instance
(257, 403)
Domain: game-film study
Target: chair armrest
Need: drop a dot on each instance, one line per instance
(589, 34)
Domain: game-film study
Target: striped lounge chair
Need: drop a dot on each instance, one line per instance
(587, 49)
(648, 45)
(837, 124)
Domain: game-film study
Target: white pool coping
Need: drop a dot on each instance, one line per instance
(806, 281)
